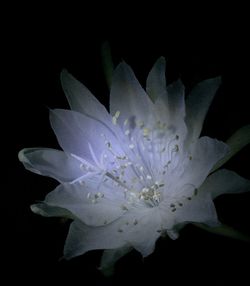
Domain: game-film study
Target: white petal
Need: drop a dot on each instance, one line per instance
(82, 203)
(156, 81)
(143, 230)
(199, 208)
(81, 135)
(197, 105)
(51, 163)
(82, 238)
(171, 108)
(140, 229)
(176, 103)
(225, 182)
(236, 142)
(128, 97)
(176, 99)
(110, 257)
(205, 154)
(81, 99)
(49, 211)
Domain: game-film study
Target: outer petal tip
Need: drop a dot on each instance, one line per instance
(21, 156)
(65, 76)
(35, 209)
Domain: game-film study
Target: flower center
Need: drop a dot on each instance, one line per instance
(152, 195)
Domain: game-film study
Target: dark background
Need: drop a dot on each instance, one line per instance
(40, 41)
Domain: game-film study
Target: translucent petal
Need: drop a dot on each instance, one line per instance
(225, 182)
(207, 152)
(83, 203)
(51, 163)
(199, 208)
(176, 103)
(143, 229)
(49, 211)
(197, 105)
(176, 99)
(171, 108)
(110, 257)
(107, 62)
(82, 238)
(236, 142)
(81, 135)
(140, 229)
(203, 156)
(127, 97)
(81, 99)
(156, 81)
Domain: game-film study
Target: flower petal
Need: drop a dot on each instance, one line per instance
(204, 155)
(81, 135)
(127, 97)
(197, 105)
(83, 203)
(110, 257)
(199, 208)
(156, 81)
(171, 107)
(225, 182)
(81, 99)
(141, 228)
(51, 163)
(82, 238)
(236, 142)
(49, 211)
(199, 160)
(176, 99)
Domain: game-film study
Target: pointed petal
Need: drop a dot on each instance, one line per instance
(82, 238)
(225, 182)
(51, 163)
(177, 112)
(205, 154)
(81, 135)
(236, 142)
(225, 230)
(143, 230)
(81, 203)
(140, 229)
(156, 81)
(49, 211)
(199, 208)
(197, 105)
(110, 257)
(81, 99)
(127, 97)
(176, 99)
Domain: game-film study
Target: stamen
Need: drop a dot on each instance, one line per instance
(115, 117)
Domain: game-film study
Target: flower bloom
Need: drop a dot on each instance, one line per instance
(141, 171)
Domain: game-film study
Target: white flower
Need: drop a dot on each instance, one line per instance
(130, 176)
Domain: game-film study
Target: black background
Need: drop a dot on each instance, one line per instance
(39, 42)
